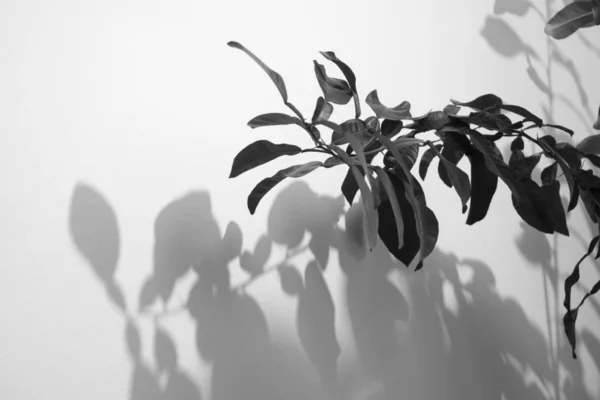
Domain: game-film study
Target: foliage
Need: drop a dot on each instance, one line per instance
(394, 203)
(574, 16)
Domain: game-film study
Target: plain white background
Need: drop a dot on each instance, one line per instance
(144, 101)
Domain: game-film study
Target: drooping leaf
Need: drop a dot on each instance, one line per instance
(273, 119)
(572, 17)
(590, 145)
(259, 153)
(426, 159)
(394, 203)
(323, 110)
(526, 114)
(562, 128)
(275, 77)
(549, 140)
(493, 160)
(481, 102)
(350, 77)
(570, 180)
(401, 111)
(452, 152)
(334, 90)
(264, 186)
(459, 179)
(524, 167)
(483, 187)
(490, 121)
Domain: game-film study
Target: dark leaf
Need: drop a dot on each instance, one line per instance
(590, 144)
(350, 77)
(526, 114)
(572, 17)
(432, 121)
(390, 192)
(483, 187)
(459, 179)
(426, 159)
(134, 340)
(597, 123)
(452, 152)
(562, 128)
(401, 111)
(275, 77)
(481, 103)
(549, 174)
(525, 166)
(487, 120)
(569, 324)
(517, 144)
(390, 127)
(323, 110)
(595, 160)
(549, 140)
(267, 184)
(291, 280)
(541, 208)
(259, 153)
(451, 109)
(273, 119)
(334, 90)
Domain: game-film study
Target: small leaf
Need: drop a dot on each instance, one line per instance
(401, 111)
(348, 74)
(323, 110)
(291, 280)
(549, 173)
(273, 119)
(481, 103)
(451, 109)
(426, 159)
(572, 17)
(517, 144)
(275, 77)
(549, 140)
(504, 39)
(452, 152)
(334, 90)
(590, 145)
(459, 178)
(526, 114)
(259, 153)
(267, 184)
(393, 200)
(390, 127)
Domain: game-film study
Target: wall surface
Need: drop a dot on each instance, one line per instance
(119, 122)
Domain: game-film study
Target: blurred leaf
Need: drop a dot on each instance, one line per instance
(590, 144)
(148, 294)
(597, 123)
(264, 186)
(275, 77)
(595, 160)
(323, 110)
(481, 102)
(232, 241)
(549, 173)
(572, 17)
(426, 159)
(503, 39)
(291, 280)
(259, 153)
(273, 119)
(401, 111)
(334, 90)
(164, 351)
(451, 109)
(95, 231)
(562, 128)
(515, 7)
(348, 74)
(133, 340)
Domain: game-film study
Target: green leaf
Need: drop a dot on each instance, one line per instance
(323, 110)
(483, 187)
(481, 103)
(275, 77)
(426, 159)
(273, 119)
(526, 114)
(259, 153)
(590, 144)
(394, 203)
(334, 90)
(572, 17)
(401, 111)
(459, 179)
(264, 186)
(350, 77)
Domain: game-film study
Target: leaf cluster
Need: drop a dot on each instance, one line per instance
(394, 203)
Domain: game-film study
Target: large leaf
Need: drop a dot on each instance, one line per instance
(541, 207)
(401, 111)
(590, 144)
(334, 90)
(483, 187)
(264, 186)
(394, 203)
(426, 160)
(350, 77)
(459, 179)
(259, 153)
(572, 17)
(273, 119)
(275, 77)
(323, 110)
(493, 160)
(481, 102)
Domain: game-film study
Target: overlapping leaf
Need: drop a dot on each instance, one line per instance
(259, 153)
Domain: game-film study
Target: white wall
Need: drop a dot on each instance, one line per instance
(141, 103)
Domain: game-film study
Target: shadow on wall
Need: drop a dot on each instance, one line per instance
(442, 332)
